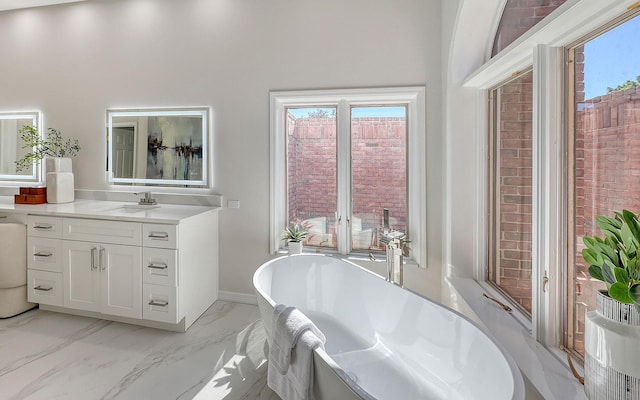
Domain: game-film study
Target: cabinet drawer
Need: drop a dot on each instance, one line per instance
(96, 230)
(13, 217)
(44, 287)
(49, 227)
(44, 254)
(159, 266)
(159, 303)
(158, 235)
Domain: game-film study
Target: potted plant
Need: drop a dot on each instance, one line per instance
(57, 151)
(615, 260)
(294, 234)
(50, 146)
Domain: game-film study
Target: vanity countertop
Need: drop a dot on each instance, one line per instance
(108, 210)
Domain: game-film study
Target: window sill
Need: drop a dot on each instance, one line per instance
(550, 377)
(355, 257)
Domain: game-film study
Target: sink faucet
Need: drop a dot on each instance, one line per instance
(395, 242)
(147, 200)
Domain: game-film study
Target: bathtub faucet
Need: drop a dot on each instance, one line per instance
(394, 242)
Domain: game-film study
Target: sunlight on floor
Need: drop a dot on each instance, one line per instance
(243, 369)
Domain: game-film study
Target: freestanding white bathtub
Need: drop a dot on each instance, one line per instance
(384, 342)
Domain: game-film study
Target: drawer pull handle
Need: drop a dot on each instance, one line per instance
(161, 303)
(93, 259)
(43, 254)
(157, 266)
(159, 235)
(44, 227)
(43, 288)
(3, 216)
(101, 261)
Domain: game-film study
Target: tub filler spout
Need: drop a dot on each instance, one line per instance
(394, 242)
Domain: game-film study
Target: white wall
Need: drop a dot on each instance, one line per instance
(465, 132)
(74, 61)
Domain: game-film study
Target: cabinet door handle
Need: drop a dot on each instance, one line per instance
(43, 288)
(44, 227)
(103, 265)
(159, 235)
(42, 254)
(157, 266)
(93, 258)
(161, 303)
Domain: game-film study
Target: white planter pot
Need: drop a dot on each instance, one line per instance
(58, 164)
(295, 247)
(60, 181)
(612, 351)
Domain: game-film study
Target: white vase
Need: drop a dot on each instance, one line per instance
(612, 351)
(60, 180)
(295, 247)
(58, 164)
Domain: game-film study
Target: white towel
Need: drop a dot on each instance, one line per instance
(293, 339)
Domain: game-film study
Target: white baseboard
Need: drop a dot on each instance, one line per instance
(237, 297)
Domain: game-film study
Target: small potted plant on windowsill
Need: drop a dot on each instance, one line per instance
(615, 260)
(57, 152)
(294, 234)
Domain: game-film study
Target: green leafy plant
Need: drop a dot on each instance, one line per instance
(50, 146)
(294, 233)
(615, 260)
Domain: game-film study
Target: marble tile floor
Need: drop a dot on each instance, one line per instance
(47, 355)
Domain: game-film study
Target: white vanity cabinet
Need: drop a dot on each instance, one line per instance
(135, 269)
(101, 274)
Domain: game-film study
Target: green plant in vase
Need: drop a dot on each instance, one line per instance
(615, 259)
(50, 146)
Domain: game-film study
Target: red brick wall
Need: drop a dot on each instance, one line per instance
(514, 187)
(518, 17)
(607, 177)
(513, 259)
(379, 170)
(311, 148)
(379, 178)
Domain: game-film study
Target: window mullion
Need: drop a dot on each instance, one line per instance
(344, 177)
(548, 181)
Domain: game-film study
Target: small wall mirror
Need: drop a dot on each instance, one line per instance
(158, 147)
(11, 146)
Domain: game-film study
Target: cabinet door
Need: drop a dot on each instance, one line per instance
(121, 273)
(81, 289)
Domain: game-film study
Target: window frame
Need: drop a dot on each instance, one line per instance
(413, 97)
(544, 46)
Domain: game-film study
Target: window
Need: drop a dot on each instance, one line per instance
(511, 163)
(340, 157)
(312, 179)
(605, 149)
(378, 172)
(582, 151)
(511, 168)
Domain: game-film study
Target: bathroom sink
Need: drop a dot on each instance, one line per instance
(134, 208)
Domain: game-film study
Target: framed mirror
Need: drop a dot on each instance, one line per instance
(11, 146)
(158, 147)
